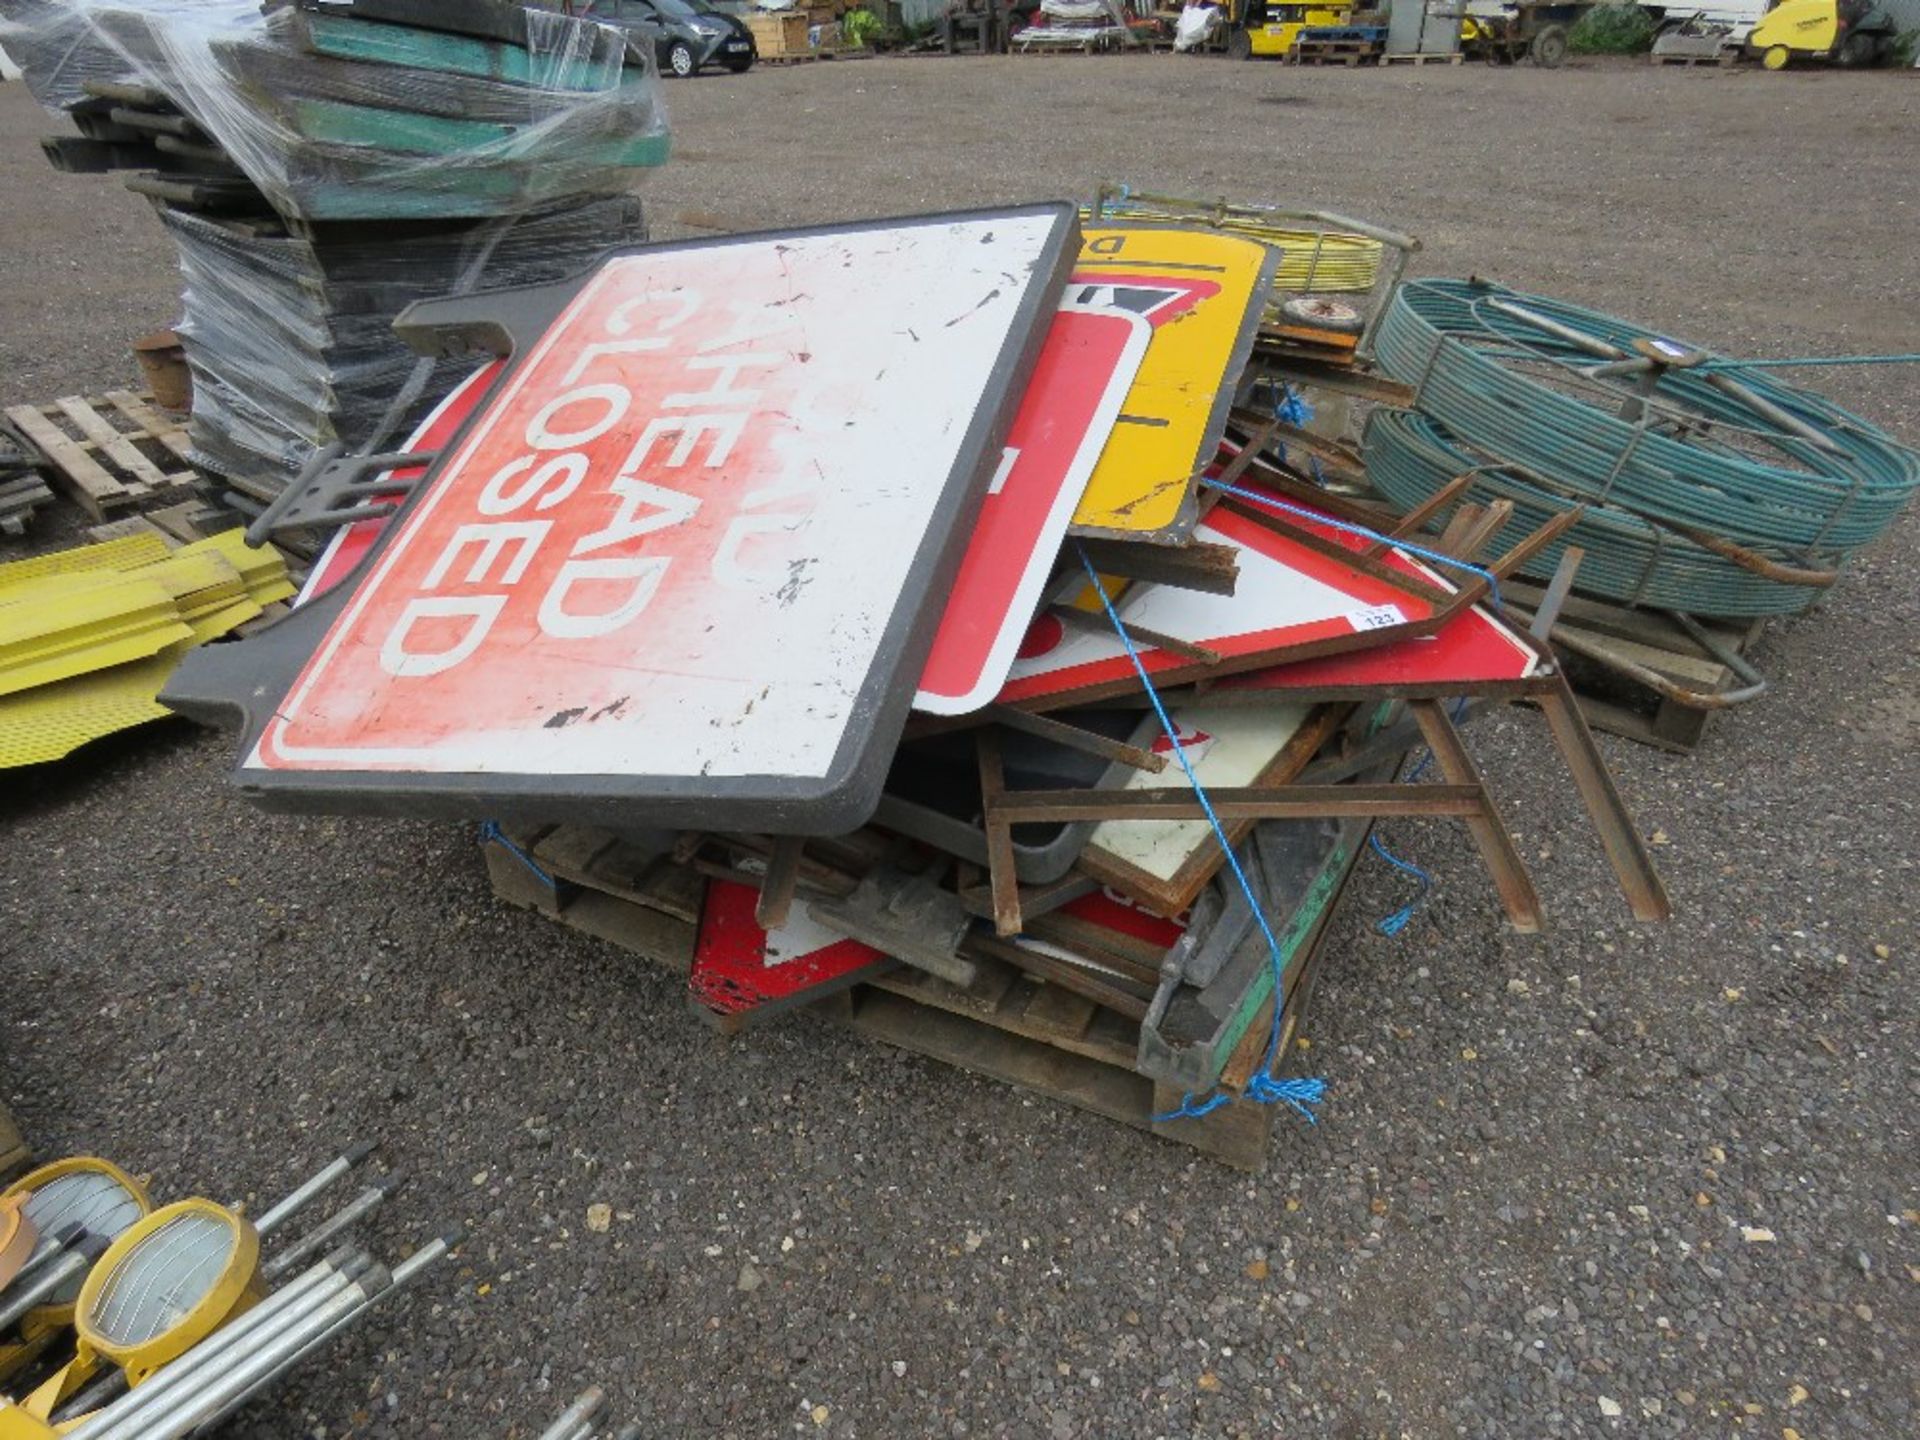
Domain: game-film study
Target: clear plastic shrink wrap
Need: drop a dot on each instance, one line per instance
(335, 162)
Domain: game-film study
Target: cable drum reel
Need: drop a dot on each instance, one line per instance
(83, 1194)
(1670, 432)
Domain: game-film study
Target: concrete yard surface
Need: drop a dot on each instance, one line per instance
(1613, 1179)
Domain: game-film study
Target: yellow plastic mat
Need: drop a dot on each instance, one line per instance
(91, 629)
(121, 554)
(52, 721)
(88, 637)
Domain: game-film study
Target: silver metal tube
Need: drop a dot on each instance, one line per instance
(362, 1204)
(22, 1298)
(272, 1219)
(575, 1417)
(271, 1316)
(107, 1387)
(404, 1273)
(44, 1250)
(129, 1415)
(1337, 221)
(1580, 340)
(1727, 385)
(182, 1410)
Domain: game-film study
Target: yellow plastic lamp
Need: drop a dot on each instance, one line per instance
(95, 1195)
(165, 1285)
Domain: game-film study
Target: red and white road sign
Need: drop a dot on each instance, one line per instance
(1474, 647)
(351, 543)
(1288, 594)
(739, 968)
(674, 545)
(1092, 354)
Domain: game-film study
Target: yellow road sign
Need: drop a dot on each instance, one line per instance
(1203, 293)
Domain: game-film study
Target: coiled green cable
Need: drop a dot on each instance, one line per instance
(1409, 457)
(1695, 455)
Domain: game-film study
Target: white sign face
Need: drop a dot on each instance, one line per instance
(1227, 747)
(675, 543)
(1288, 594)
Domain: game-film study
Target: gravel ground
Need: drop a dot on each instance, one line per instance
(1609, 1180)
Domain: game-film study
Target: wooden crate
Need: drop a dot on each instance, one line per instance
(1008, 1026)
(110, 451)
(776, 36)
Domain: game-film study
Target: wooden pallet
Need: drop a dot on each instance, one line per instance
(1092, 45)
(797, 58)
(109, 451)
(1334, 52)
(1009, 1026)
(20, 496)
(1417, 58)
(1614, 702)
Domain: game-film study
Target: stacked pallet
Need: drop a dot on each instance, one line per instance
(22, 490)
(107, 452)
(291, 338)
(324, 165)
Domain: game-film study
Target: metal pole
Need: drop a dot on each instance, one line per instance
(403, 1274)
(276, 1315)
(72, 1263)
(575, 1416)
(1580, 340)
(181, 1411)
(272, 1219)
(367, 1201)
(335, 1270)
(49, 1248)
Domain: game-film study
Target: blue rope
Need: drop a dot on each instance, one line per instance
(492, 834)
(1396, 922)
(1263, 1087)
(1292, 410)
(1439, 557)
(1809, 362)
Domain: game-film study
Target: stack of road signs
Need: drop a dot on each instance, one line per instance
(825, 566)
(321, 165)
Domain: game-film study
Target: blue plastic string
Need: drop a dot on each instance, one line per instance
(1394, 923)
(1438, 557)
(492, 834)
(1297, 1094)
(1807, 362)
(1292, 409)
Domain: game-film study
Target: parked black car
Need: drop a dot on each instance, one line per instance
(686, 34)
